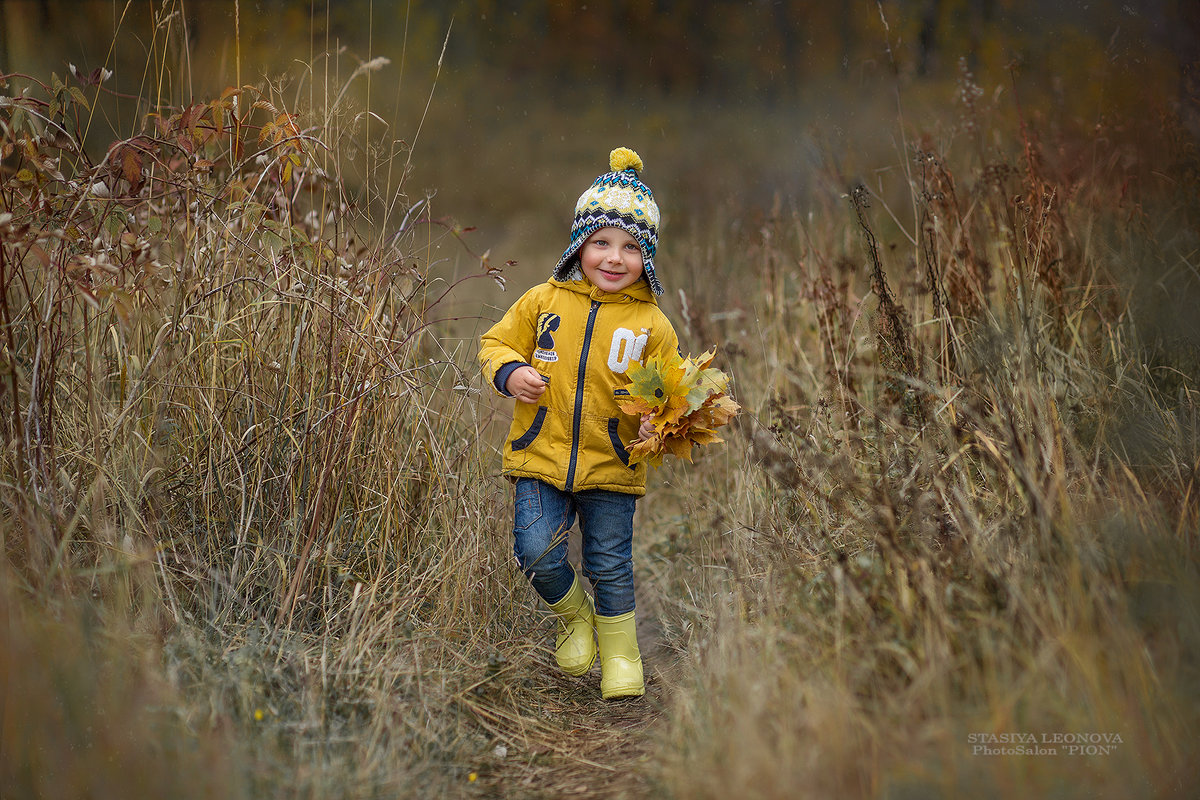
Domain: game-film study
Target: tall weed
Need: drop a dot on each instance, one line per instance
(935, 527)
(231, 425)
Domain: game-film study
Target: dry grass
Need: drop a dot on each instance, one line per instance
(970, 511)
(255, 544)
(234, 437)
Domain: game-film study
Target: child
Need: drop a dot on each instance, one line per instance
(562, 351)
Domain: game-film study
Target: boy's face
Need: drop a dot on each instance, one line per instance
(611, 259)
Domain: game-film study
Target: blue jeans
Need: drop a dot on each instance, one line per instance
(543, 517)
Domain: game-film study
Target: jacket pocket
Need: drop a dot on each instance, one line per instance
(615, 438)
(526, 438)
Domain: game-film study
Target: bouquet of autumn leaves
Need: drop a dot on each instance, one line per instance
(687, 401)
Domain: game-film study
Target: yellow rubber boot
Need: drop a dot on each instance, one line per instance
(575, 645)
(620, 659)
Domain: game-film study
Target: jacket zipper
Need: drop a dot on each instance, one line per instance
(578, 417)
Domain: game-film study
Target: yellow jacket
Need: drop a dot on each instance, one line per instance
(583, 340)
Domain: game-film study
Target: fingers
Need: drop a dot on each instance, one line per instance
(530, 394)
(528, 386)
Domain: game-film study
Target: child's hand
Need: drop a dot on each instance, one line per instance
(526, 384)
(646, 430)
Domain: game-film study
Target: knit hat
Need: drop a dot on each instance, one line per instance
(616, 199)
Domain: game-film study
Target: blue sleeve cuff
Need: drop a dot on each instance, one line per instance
(503, 373)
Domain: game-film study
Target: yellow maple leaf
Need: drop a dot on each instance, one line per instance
(656, 381)
(702, 380)
(704, 436)
(719, 410)
(686, 401)
(679, 446)
(635, 405)
(649, 451)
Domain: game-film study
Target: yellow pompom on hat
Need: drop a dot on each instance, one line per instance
(616, 199)
(623, 158)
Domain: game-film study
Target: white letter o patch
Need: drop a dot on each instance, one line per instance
(626, 347)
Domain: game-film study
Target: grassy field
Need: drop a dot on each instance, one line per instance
(256, 543)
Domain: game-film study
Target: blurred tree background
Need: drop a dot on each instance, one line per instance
(740, 109)
(756, 51)
(508, 110)
(727, 101)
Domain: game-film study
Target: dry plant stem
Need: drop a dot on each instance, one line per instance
(892, 327)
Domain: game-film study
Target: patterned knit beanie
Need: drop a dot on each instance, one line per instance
(616, 199)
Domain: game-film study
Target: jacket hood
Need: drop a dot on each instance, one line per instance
(638, 291)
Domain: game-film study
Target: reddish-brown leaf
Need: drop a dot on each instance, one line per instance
(131, 167)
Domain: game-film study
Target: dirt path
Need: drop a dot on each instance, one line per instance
(587, 747)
